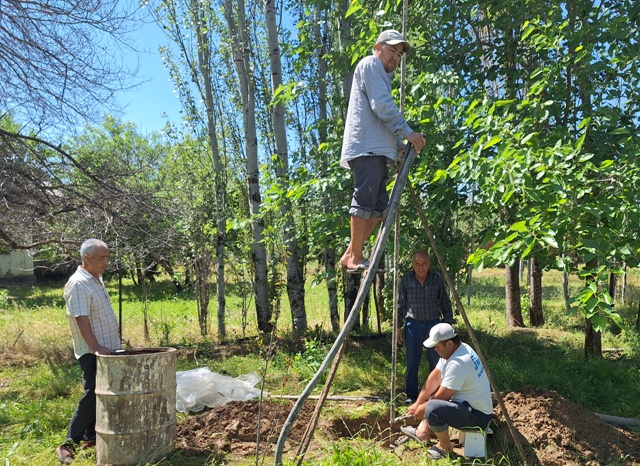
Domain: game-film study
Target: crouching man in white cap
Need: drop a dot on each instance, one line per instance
(456, 394)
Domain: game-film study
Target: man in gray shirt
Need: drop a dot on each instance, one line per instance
(373, 134)
(423, 302)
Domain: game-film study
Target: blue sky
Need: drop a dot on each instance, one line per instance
(146, 104)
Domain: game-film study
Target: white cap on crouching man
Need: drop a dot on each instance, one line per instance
(393, 37)
(438, 333)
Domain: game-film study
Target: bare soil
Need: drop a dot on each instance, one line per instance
(555, 431)
(552, 430)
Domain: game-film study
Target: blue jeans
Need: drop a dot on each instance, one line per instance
(415, 333)
(441, 414)
(83, 422)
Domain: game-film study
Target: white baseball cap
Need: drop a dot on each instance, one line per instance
(438, 333)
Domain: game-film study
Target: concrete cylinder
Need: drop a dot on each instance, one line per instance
(135, 406)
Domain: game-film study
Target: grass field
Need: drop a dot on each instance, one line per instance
(40, 380)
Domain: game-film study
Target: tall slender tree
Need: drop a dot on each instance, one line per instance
(295, 276)
(238, 32)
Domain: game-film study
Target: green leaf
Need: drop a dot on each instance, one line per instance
(525, 139)
(519, 226)
(493, 141)
(624, 250)
(527, 31)
(624, 131)
(599, 322)
(580, 141)
(440, 175)
(551, 241)
(473, 105)
(530, 244)
(355, 6)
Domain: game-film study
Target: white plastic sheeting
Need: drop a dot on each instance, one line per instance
(200, 387)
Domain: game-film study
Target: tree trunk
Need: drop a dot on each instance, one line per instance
(169, 269)
(145, 304)
(352, 284)
(366, 307)
(139, 273)
(379, 298)
(512, 289)
(613, 282)
(203, 287)
(332, 288)
(521, 270)
(623, 286)
(469, 283)
(329, 252)
(295, 276)
(592, 340)
(536, 316)
(204, 68)
(344, 26)
(240, 44)
(565, 290)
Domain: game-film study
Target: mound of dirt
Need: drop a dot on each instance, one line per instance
(553, 430)
(556, 431)
(233, 428)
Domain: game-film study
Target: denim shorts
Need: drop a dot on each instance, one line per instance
(370, 177)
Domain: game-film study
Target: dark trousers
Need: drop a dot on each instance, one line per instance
(415, 333)
(441, 414)
(83, 422)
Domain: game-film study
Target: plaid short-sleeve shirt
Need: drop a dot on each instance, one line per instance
(87, 296)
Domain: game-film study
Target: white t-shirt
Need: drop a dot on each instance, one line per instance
(464, 373)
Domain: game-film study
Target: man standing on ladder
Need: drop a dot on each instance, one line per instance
(423, 302)
(373, 134)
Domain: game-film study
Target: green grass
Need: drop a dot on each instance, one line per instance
(40, 380)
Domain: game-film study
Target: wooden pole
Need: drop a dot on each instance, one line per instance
(311, 427)
(396, 244)
(472, 335)
(378, 250)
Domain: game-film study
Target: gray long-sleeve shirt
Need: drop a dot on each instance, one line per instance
(374, 124)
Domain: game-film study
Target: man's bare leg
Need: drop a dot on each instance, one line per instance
(423, 432)
(361, 229)
(444, 442)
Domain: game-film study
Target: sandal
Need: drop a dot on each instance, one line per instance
(359, 268)
(410, 431)
(89, 444)
(65, 454)
(436, 453)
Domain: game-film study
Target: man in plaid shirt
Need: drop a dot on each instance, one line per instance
(94, 329)
(423, 302)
